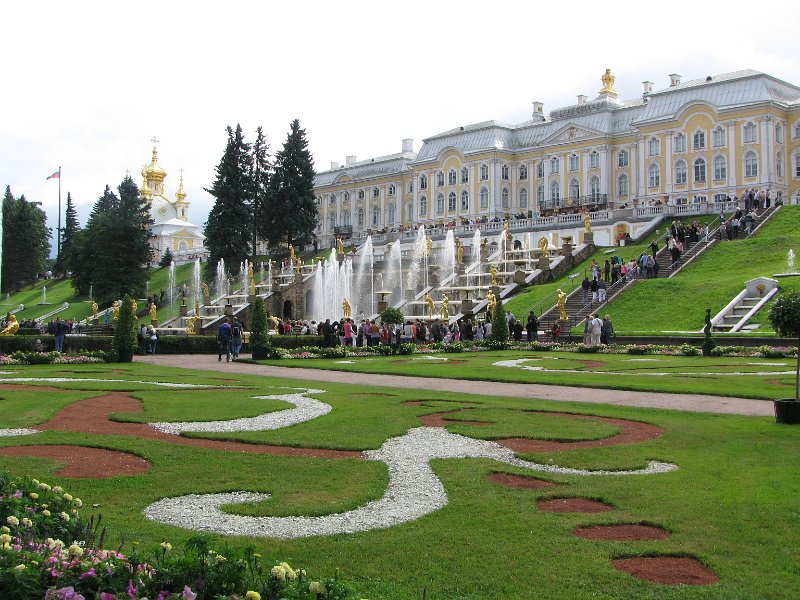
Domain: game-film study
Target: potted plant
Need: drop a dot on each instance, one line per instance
(259, 333)
(125, 341)
(785, 318)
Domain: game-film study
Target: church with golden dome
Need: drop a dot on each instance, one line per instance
(172, 228)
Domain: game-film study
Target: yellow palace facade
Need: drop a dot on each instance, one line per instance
(699, 141)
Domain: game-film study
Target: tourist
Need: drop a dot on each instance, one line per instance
(236, 337)
(595, 330)
(555, 331)
(594, 287)
(607, 333)
(153, 335)
(374, 334)
(143, 340)
(59, 333)
(532, 327)
(487, 330)
(606, 271)
(601, 291)
(348, 332)
(224, 340)
(585, 286)
(38, 346)
(518, 331)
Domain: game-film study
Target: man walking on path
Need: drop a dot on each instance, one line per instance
(224, 336)
(236, 337)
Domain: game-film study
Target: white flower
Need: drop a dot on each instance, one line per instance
(20, 568)
(12, 520)
(65, 516)
(166, 546)
(315, 587)
(75, 551)
(77, 502)
(67, 497)
(58, 489)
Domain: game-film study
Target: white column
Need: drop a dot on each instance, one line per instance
(732, 154)
(604, 170)
(765, 140)
(562, 171)
(642, 169)
(668, 174)
(546, 179)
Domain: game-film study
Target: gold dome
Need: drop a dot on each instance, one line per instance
(154, 170)
(180, 195)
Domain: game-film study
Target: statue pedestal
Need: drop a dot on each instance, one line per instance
(298, 278)
(229, 310)
(566, 250)
(544, 262)
(588, 237)
(519, 277)
(154, 322)
(460, 268)
(95, 321)
(564, 326)
(484, 254)
(382, 306)
(184, 310)
(198, 326)
(251, 298)
(340, 257)
(466, 306)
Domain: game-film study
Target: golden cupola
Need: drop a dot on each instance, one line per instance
(180, 195)
(154, 175)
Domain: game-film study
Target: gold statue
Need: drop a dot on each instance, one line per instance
(135, 306)
(543, 245)
(191, 325)
(206, 294)
(94, 310)
(339, 246)
(493, 272)
(508, 233)
(588, 222)
(347, 310)
(484, 243)
(115, 309)
(608, 83)
(274, 320)
(445, 312)
(562, 305)
(431, 305)
(12, 327)
(291, 253)
(299, 266)
(153, 312)
(252, 287)
(250, 271)
(428, 246)
(459, 251)
(491, 301)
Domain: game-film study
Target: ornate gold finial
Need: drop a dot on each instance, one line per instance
(180, 195)
(608, 83)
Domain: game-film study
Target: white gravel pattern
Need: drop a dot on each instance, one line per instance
(78, 380)
(518, 364)
(14, 432)
(304, 409)
(414, 491)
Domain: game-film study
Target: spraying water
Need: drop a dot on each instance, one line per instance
(197, 292)
(414, 275)
(476, 255)
(269, 276)
(790, 261)
(364, 281)
(172, 282)
(44, 294)
(332, 283)
(394, 273)
(447, 258)
(220, 279)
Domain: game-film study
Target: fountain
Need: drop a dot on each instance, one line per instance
(414, 275)
(91, 291)
(197, 291)
(393, 268)
(171, 282)
(475, 267)
(332, 283)
(447, 260)
(44, 294)
(364, 284)
(269, 276)
(791, 266)
(221, 280)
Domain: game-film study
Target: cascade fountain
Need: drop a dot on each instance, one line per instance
(364, 281)
(245, 276)
(261, 272)
(475, 268)
(171, 282)
(332, 283)
(221, 280)
(393, 268)
(91, 291)
(414, 275)
(197, 291)
(447, 259)
(44, 294)
(269, 276)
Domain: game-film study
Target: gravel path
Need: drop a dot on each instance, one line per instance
(685, 402)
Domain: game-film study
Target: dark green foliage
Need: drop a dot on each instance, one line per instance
(166, 258)
(229, 226)
(66, 257)
(708, 343)
(500, 331)
(260, 176)
(391, 316)
(125, 341)
(259, 332)
(785, 318)
(26, 244)
(290, 213)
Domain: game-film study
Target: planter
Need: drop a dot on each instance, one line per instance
(787, 411)
(125, 356)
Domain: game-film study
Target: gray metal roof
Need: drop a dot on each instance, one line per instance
(364, 169)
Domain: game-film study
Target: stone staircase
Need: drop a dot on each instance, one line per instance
(735, 316)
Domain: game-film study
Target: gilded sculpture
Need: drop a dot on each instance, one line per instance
(153, 312)
(459, 251)
(206, 294)
(428, 246)
(94, 310)
(608, 82)
(299, 266)
(291, 253)
(562, 305)
(587, 221)
(543, 245)
(347, 310)
(252, 287)
(339, 246)
(115, 309)
(12, 327)
(491, 302)
(431, 306)
(445, 312)
(493, 272)
(191, 325)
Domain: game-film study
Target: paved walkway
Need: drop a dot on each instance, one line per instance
(562, 393)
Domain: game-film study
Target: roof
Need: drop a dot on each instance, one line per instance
(382, 165)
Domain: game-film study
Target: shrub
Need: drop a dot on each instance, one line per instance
(259, 334)
(688, 350)
(491, 344)
(500, 331)
(383, 350)
(274, 353)
(785, 319)
(454, 347)
(125, 341)
(584, 349)
(406, 349)
(391, 316)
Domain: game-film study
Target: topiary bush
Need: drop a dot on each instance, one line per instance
(500, 331)
(391, 316)
(259, 330)
(785, 319)
(125, 339)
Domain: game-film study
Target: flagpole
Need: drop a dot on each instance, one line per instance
(58, 249)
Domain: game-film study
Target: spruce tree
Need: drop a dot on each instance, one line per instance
(228, 229)
(68, 236)
(260, 180)
(125, 331)
(500, 331)
(290, 212)
(166, 258)
(26, 241)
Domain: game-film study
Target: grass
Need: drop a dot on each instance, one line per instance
(732, 503)
(723, 376)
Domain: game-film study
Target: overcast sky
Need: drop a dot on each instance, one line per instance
(86, 85)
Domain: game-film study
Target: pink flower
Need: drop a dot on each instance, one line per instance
(89, 573)
(107, 596)
(188, 594)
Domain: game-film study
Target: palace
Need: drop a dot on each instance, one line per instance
(172, 228)
(695, 142)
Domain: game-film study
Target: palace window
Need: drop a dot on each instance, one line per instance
(720, 197)
(504, 172)
(360, 194)
(679, 144)
(594, 188)
(451, 177)
(797, 131)
(700, 170)
(622, 185)
(391, 190)
(440, 179)
(699, 140)
(504, 198)
(594, 160)
(654, 146)
(332, 199)
(411, 187)
(451, 202)
(720, 168)
(555, 192)
(464, 175)
(346, 196)
(484, 198)
(778, 133)
(797, 165)
(540, 195)
(346, 218)
(423, 207)
(719, 137)
(484, 172)
(465, 200)
(440, 204)
(410, 212)
(750, 165)
(749, 133)
(376, 192)
(390, 214)
(318, 201)
(554, 165)
(540, 169)
(573, 162)
(622, 158)
(360, 217)
(654, 176)
(523, 198)
(779, 164)
(376, 215)
(574, 189)
(423, 182)
(680, 172)
(523, 172)
(331, 221)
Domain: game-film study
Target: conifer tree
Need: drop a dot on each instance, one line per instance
(290, 212)
(68, 235)
(260, 179)
(500, 331)
(26, 241)
(228, 229)
(166, 258)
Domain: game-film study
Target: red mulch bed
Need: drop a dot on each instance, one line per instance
(520, 481)
(622, 533)
(581, 505)
(82, 462)
(441, 420)
(667, 570)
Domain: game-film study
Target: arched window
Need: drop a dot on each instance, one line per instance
(574, 189)
(540, 169)
(679, 143)
(700, 170)
(523, 172)
(797, 165)
(523, 198)
(183, 246)
(484, 198)
(464, 175)
(680, 173)
(622, 185)
(440, 179)
(504, 198)
(778, 133)
(360, 217)
(750, 165)
(540, 195)
(451, 177)
(332, 199)
(410, 212)
(594, 188)
(779, 164)
(331, 221)
(573, 162)
(423, 182)
(346, 218)
(484, 172)
(376, 215)
(654, 146)
(411, 186)
(720, 168)
(504, 172)
(654, 176)
(554, 165)
(440, 203)
(451, 202)
(390, 214)
(719, 137)
(465, 200)
(622, 158)
(699, 140)
(423, 207)
(594, 160)
(749, 135)
(555, 192)
(391, 189)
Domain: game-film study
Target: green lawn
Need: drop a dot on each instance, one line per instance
(732, 503)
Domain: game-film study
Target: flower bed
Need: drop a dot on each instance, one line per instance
(48, 550)
(55, 358)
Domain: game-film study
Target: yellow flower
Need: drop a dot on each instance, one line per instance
(27, 522)
(35, 481)
(251, 595)
(315, 587)
(46, 513)
(34, 495)
(65, 516)
(278, 573)
(12, 520)
(20, 568)
(75, 551)
(5, 529)
(5, 538)
(166, 546)
(68, 497)
(44, 487)
(58, 489)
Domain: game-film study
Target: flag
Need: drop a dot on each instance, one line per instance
(56, 175)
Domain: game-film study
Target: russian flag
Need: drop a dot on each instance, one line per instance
(56, 175)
